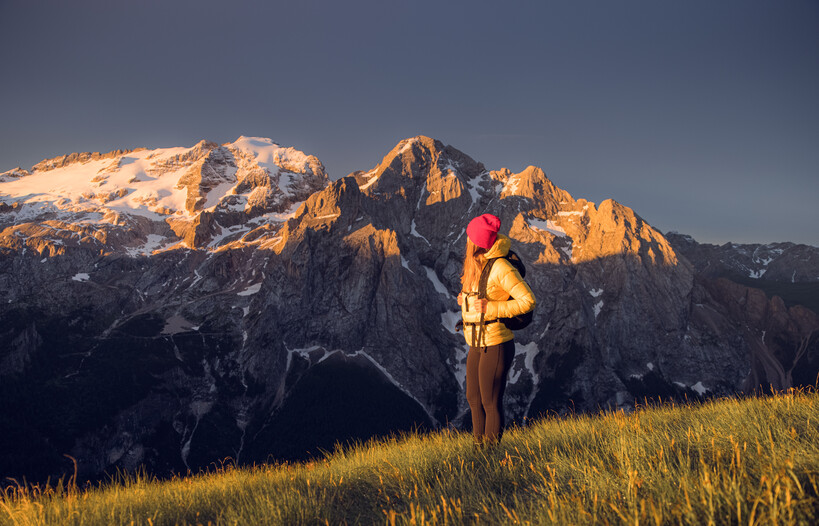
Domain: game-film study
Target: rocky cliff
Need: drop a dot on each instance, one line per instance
(175, 307)
(779, 262)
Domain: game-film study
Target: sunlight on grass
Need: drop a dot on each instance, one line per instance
(753, 461)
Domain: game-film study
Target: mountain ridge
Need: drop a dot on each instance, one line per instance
(196, 344)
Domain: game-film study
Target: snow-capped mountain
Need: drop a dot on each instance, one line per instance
(174, 307)
(148, 200)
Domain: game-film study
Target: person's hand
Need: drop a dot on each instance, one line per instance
(461, 298)
(480, 304)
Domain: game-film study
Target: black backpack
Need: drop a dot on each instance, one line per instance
(514, 323)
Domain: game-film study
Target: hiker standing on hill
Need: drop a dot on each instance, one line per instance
(504, 294)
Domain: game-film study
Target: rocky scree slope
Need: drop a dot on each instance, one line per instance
(231, 301)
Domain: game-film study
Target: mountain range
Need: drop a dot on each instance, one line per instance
(171, 308)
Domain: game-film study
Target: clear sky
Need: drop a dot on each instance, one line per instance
(701, 115)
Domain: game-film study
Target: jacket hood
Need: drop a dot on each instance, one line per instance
(500, 248)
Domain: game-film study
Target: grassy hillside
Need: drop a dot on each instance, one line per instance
(753, 461)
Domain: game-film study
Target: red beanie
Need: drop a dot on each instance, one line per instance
(483, 230)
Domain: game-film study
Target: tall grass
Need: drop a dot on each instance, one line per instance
(752, 461)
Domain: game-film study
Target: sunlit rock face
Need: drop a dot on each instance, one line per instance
(179, 306)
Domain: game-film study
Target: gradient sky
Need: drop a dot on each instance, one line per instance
(703, 116)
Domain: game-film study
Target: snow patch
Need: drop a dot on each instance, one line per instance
(449, 319)
(407, 146)
(415, 233)
(459, 368)
(450, 170)
(122, 184)
(270, 155)
(198, 408)
(275, 217)
(529, 351)
(596, 292)
(543, 334)
(226, 233)
(597, 308)
(698, 387)
(433, 277)
(152, 242)
(512, 185)
(547, 226)
(308, 353)
(215, 194)
(373, 177)
(328, 216)
(82, 276)
(177, 324)
(253, 289)
(472, 185)
(405, 264)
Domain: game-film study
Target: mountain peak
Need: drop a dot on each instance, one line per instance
(166, 191)
(14, 173)
(532, 184)
(275, 157)
(414, 160)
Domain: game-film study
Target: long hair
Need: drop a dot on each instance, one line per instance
(474, 260)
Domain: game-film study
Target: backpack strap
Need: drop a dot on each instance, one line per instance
(487, 268)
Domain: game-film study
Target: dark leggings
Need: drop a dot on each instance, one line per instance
(486, 370)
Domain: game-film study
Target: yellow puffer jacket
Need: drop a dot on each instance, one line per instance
(508, 296)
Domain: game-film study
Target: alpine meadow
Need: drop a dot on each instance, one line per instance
(732, 461)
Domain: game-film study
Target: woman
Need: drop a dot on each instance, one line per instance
(491, 344)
